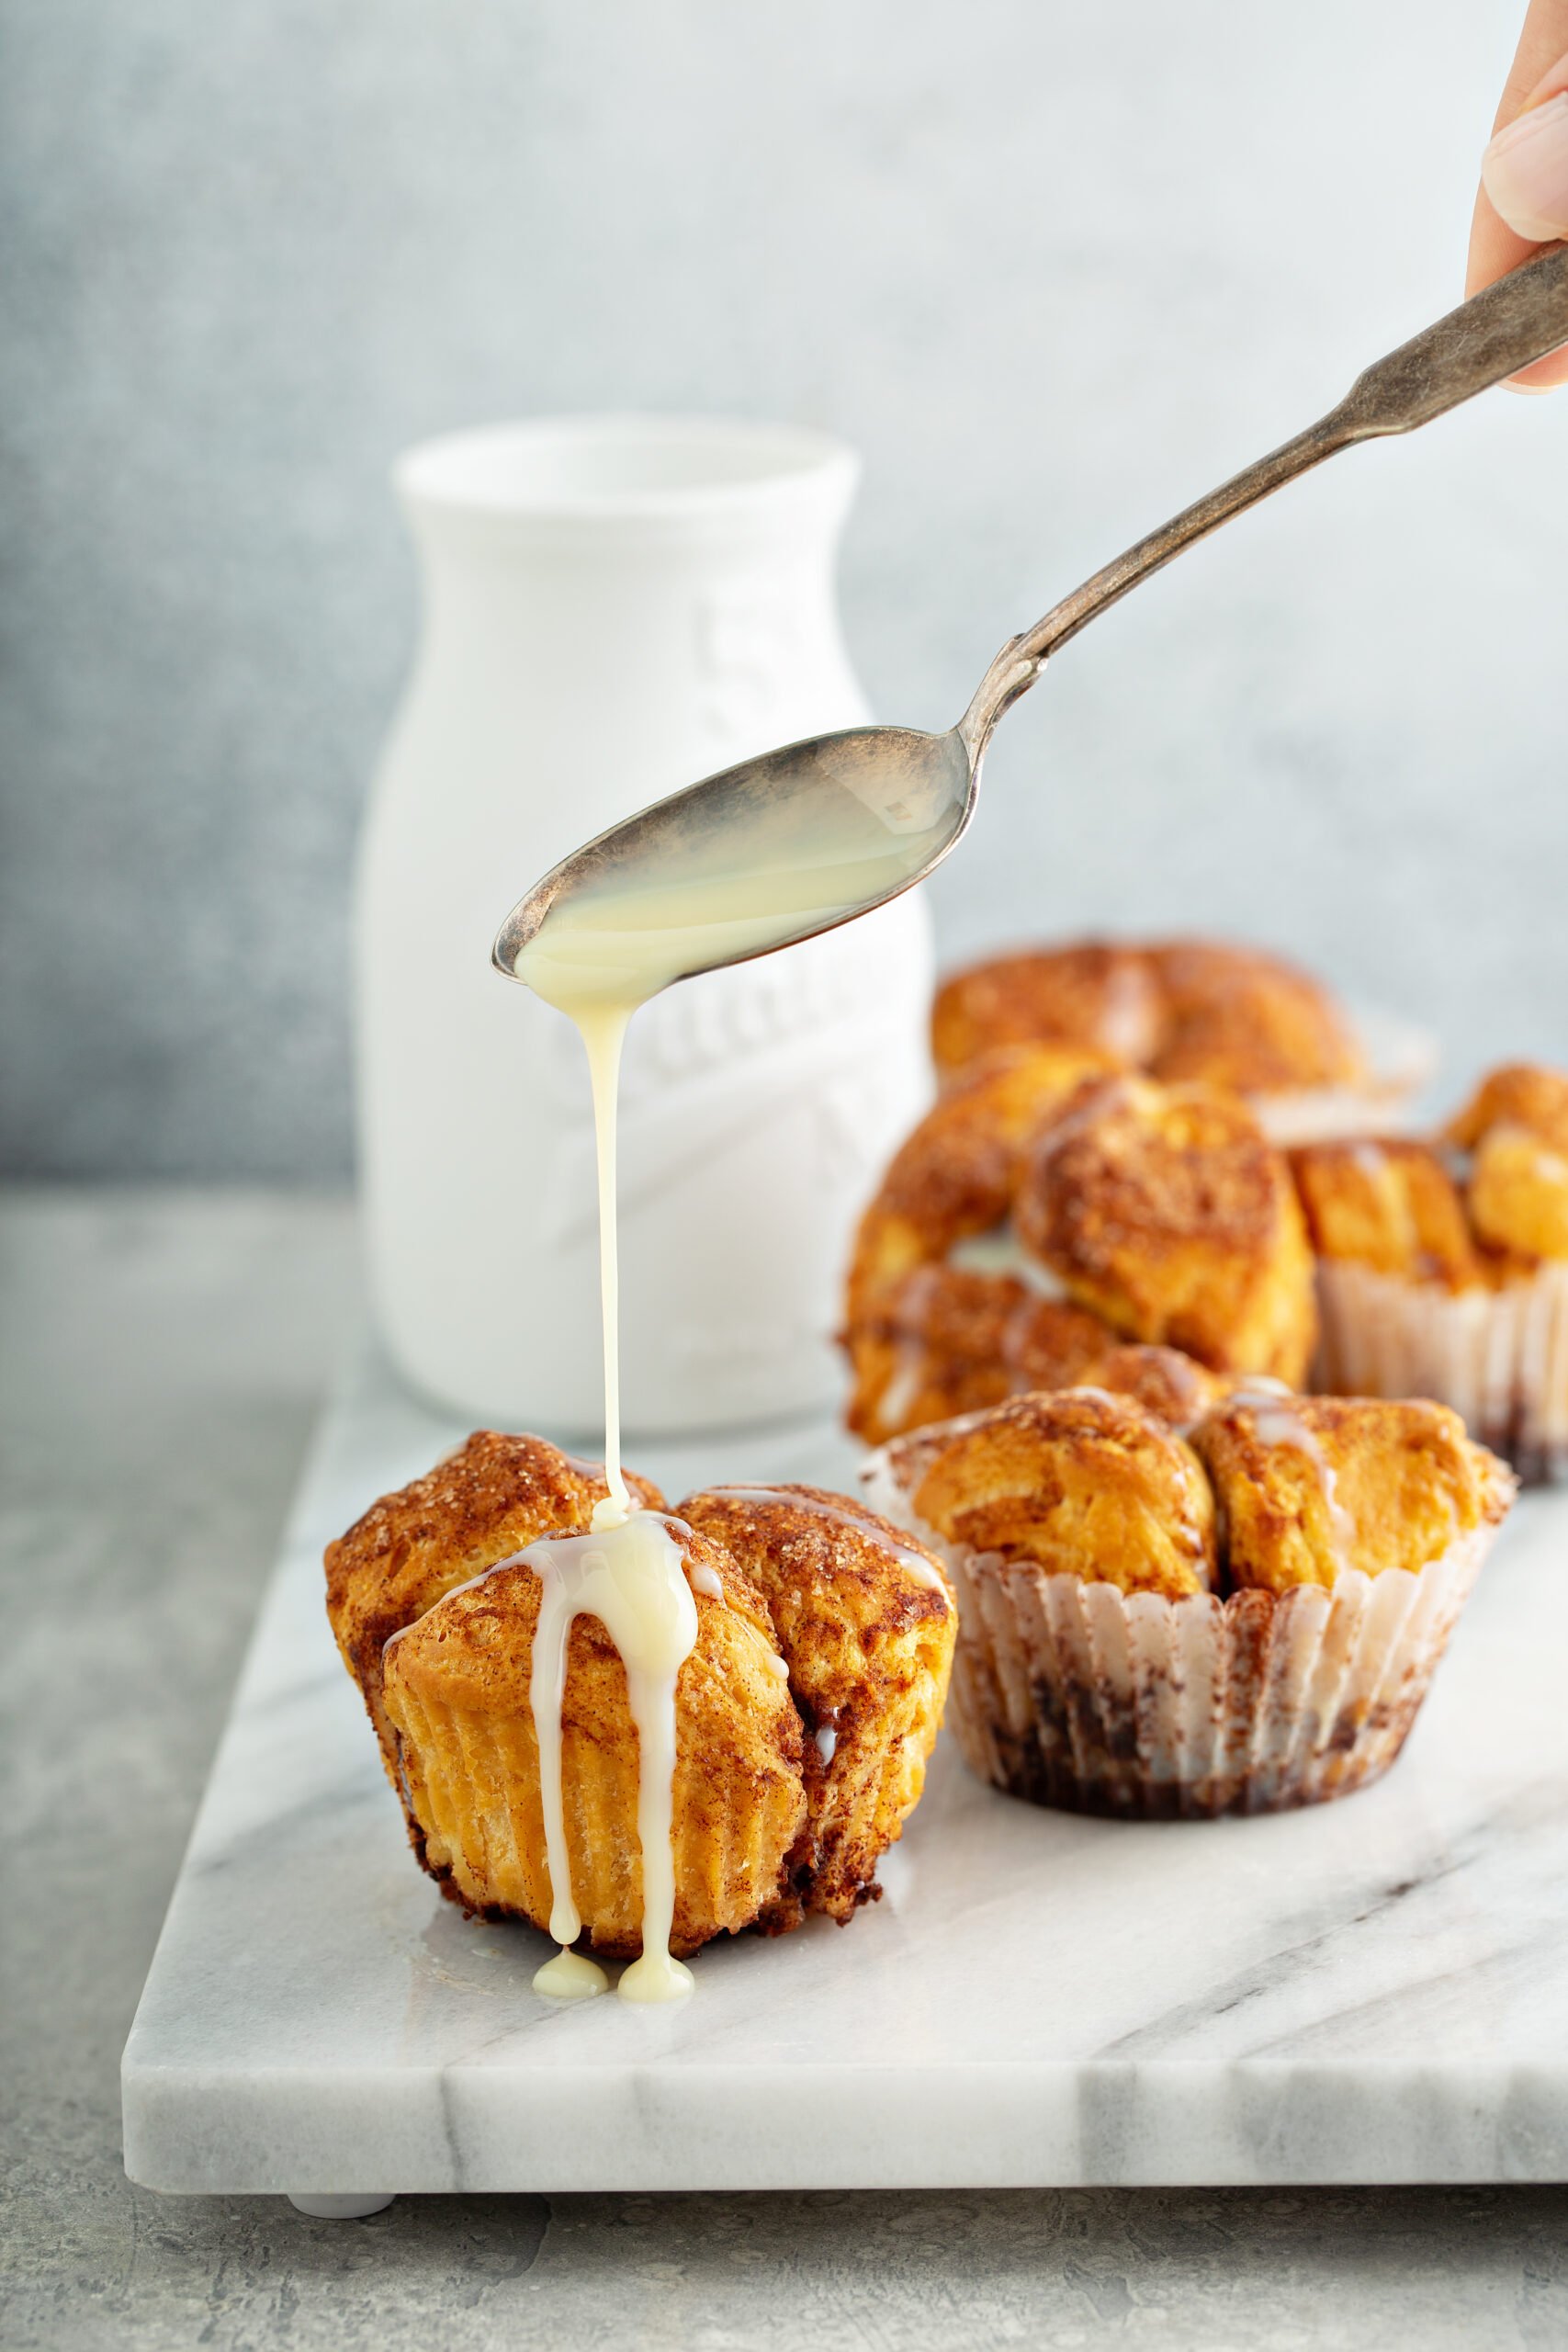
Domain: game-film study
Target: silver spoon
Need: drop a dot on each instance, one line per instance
(855, 818)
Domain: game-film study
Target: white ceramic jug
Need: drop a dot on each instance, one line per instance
(612, 608)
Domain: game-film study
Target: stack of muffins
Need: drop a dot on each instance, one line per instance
(1091, 1282)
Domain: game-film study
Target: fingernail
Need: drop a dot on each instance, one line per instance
(1524, 172)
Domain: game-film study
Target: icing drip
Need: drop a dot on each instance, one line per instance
(1127, 1016)
(597, 954)
(1276, 1422)
(632, 1578)
(603, 1031)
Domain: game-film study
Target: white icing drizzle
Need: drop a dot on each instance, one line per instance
(596, 955)
(603, 1030)
(570, 1976)
(920, 1568)
(706, 1579)
(1276, 1421)
(827, 1742)
(632, 1578)
(1126, 1018)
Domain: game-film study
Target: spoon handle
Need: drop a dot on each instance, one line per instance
(1520, 318)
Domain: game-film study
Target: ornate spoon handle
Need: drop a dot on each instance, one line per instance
(1519, 319)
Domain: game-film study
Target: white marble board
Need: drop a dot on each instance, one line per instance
(1371, 1991)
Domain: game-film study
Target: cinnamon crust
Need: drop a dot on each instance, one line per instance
(1308, 1485)
(1167, 1213)
(866, 1622)
(1485, 1203)
(1160, 1217)
(957, 1174)
(1080, 1481)
(1180, 1010)
(492, 1497)
(1272, 1491)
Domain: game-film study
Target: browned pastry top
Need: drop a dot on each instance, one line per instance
(1515, 1129)
(1309, 1484)
(1092, 993)
(1167, 1212)
(1390, 1204)
(866, 1622)
(1484, 1202)
(1273, 1490)
(1162, 1216)
(955, 1175)
(494, 1494)
(1173, 1387)
(943, 1341)
(1518, 1094)
(1072, 1478)
(1182, 1009)
(1251, 1023)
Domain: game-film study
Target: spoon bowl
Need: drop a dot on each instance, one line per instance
(761, 855)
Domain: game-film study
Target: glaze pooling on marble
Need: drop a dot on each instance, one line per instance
(1370, 1991)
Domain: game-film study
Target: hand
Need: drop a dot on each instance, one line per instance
(1523, 202)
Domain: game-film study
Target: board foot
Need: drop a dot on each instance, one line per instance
(340, 2209)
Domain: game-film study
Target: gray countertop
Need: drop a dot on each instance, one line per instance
(162, 1355)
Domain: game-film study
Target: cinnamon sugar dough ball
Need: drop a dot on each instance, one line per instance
(1166, 1211)
(1080, 1482)
(866, 1622)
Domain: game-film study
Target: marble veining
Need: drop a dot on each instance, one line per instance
(1371, 1990)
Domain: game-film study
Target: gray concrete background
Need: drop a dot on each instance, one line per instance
(1054, 269)
(160, 1357)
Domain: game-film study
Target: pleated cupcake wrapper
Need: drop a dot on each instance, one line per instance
(1328, 1113)
(1499, 1357)
(1079, 1695)
(1401, 1060)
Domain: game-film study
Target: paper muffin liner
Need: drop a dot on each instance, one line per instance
(1499, 1357)
(1078, 1695)
(1401, 1060)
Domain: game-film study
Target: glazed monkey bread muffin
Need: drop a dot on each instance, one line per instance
(1236, 1622)
(1047, 1214)
(1182, 1010)
(1443, 1266)
(805, 1714)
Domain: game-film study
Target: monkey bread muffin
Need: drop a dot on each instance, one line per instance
(1237, 1620)
(804, 1714)
(1443, 1266)
(1181, 1010)
(1047, 1215)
